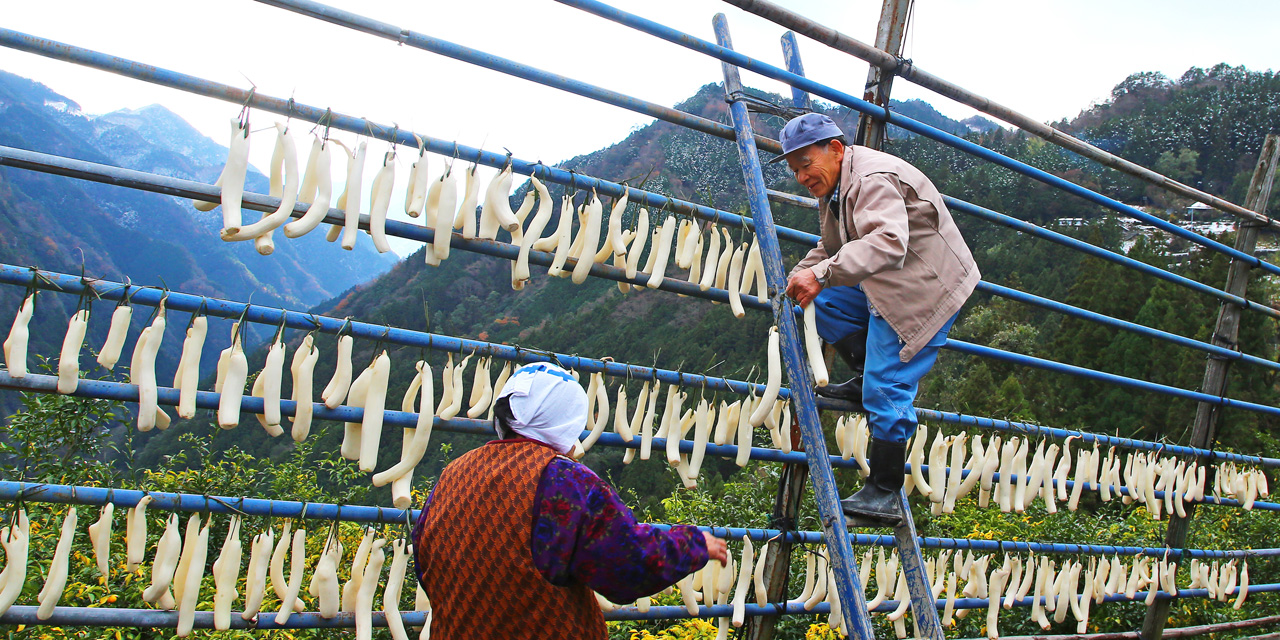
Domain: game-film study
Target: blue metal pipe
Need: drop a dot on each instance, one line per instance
(154, 183)
(1026, 428)
(185, 502)
(729, 56)
(1098, 252)
(168, 396)
(1111, 378)
(175, 301)
(1132, 327)
(417, 40)
(390, 133)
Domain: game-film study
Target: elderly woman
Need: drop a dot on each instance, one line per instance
(515, 536)
(887, 279)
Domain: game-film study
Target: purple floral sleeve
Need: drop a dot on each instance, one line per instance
(583, 532)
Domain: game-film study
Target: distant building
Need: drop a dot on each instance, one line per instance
(1201, 210)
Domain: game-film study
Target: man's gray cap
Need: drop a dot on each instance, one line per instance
(802, 131)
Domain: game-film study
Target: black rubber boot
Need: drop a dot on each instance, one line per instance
(879, 502)
(852, 349)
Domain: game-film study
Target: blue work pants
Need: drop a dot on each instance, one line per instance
(889, 385)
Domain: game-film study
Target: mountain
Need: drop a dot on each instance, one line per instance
(71, 225)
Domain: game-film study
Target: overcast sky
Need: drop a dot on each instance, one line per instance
(1049, 59)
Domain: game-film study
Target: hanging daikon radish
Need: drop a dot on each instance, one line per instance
(191, 585)
(1244, 586)
(268, 384)
(638, 244)
(808, 578)
(188, 375)
(380, 201)
(1068, 585)
(326, 579)
(142, 371)
(683, 246)
(391, 596)
(563, 237)
(445, 205)
(685, 585)
(351, 588)
(111, 348)
(419, 177)
(744, 580)
(711, 268)
(621, 422)
(998, 578)
(754, 273)
(350, 199)
(735, 279)
(903, 596)
(520, 268)
(662, 249)
(591, 240)
(368, 587)
(100, 538)
(135, 536)
(812, 344)
(290, 602)
(69, 360)
(481, 389)
(1047, 490)
(744, 433)
(938, 468)
(601, 406)
(351, 431)
(465, 219)
(317, 189)
(615, 224)
(260, 551)
(1021, 496)
(284, 160)
(704, 415)
(819, 592)
(671, 417)
(1085, 603)
(646, 425)
(303, 372)
(497, 206)
(226, 572)
(279, 554)
(774, 380)
(1004, 495)
(17, 545)
(952, 490)
(1064, 469)
(374, 403)
(784, 426)
(1033, 480)
(336, 391)
(232, 391)
(417, 447)
(989, 466)
(916, 458)
(233, 173)
(163, 566)
(56, 580)
(762, 593)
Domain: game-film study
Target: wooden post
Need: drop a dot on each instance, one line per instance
(890, 34)
(1204, 431)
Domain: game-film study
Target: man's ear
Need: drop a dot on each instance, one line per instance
(836, 147)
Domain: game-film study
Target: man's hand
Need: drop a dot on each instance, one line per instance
(716, 549)
(803, 287)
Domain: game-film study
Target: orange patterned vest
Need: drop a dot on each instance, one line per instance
(476, 564)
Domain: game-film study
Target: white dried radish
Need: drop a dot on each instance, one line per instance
(661, 253)
(591, 240)
(226, 573)
(256, 576)
(163, 565)
(369, 586)
(374, 404)
(69, 360)
(143, 371)
(350, 199)
(116, 334)
(391, 596)
(415, 195)
(326, 587)
(744, 580)
(191, 584)
(56, 580)
(135, 536)
(774, 380)
(17, 545)
(289, 602)
(336, 391)
(100, 538)
(412, 454)
(734, 282)
(318, 171)
(233, 174)
(284, 156)
(444, 204)
(812, 344)
(481, 389)
(232, 390)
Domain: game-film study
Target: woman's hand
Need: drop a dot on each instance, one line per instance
(716, 549)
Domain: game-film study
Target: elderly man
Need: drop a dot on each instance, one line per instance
(515, 536)
(888, 276)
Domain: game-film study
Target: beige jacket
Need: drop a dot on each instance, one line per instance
(899, 242)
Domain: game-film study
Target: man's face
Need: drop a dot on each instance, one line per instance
(817, 167)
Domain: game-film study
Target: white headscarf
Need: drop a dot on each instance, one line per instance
(547, 405)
